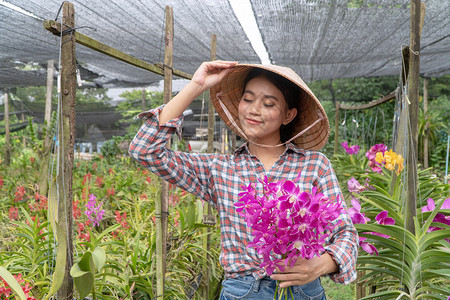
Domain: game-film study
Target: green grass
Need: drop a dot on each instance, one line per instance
(335, 291)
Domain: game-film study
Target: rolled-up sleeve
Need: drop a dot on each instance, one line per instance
(188, 171)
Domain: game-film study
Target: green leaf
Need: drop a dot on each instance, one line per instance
(389, 294)
(12, 282)
(431, 237)
(106, 231)
(83, 275)
(60, 267)
(99, 257)
(442, 272)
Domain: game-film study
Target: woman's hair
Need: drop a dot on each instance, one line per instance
(291, 93)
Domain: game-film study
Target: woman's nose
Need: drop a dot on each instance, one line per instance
(255, 108)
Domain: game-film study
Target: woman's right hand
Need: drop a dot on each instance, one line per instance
(207, 75)
(211, 73)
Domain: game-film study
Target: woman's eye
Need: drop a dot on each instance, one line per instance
(247, 100)
(269, 105)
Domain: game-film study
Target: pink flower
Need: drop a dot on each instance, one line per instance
(350, 149)
(431, 205)
(383, 219)
(93, 212)
(355, 213)
(439, 218)
(286, 223)
(369, 248)
(354, 186)
(371, 155)
(13, 213)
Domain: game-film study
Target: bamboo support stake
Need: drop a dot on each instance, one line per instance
(84, 40)
(144, 101)
(370, 104)
(413, 96)
(425, 110)
(402, 129)
(336, 128)
(161, 208)
(66, 143)
(207, 211)
(43, 184)
(48, 99)
(340, 106)
(7, 160)
(211, 110)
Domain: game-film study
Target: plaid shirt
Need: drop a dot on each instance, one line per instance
(218, 178)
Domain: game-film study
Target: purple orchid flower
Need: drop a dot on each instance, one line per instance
(369, 248)
(355, 213)
(354, 186)
(286, 223)
(350, 149)
(383, 219)
(439, 218)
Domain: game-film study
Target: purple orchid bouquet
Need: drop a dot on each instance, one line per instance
(287, 223)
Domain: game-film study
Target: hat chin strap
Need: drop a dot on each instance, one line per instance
(228, 114)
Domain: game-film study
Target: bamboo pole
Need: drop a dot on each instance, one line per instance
(48, 99)
(161, 208)
(370, 104)
(402, 129)
(84, 40)
(7, 160)
(43, 184)
(207, 211)
(66, 143)
(336, 128)
(340, 106)
(425, 110)
(211, 110)
(144, 101)
(413, 96)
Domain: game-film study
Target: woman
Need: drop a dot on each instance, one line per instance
(282, 121)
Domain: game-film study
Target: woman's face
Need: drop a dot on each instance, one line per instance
(262, 110)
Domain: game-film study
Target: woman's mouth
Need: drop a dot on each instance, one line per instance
(253, 121)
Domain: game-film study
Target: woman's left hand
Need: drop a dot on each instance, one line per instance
(306, 270)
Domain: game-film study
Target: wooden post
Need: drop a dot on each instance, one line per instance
(161, 208)
(211, 110)
(336, 128)
(144, 104)
(7, 160)
(66, 142)
(207, 211)
(425, 110)
(360, 288)
(413, 96)
(46, 153)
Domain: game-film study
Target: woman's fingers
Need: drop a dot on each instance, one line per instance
(211, 72)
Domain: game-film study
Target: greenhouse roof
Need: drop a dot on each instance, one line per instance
(319, 39)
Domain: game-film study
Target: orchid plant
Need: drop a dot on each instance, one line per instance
(287, 223)
(399, 264)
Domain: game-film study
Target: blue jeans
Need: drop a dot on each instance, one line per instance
(249, 288)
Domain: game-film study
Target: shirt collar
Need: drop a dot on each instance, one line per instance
(290, 147)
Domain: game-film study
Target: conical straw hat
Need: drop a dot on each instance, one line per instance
(312, 123)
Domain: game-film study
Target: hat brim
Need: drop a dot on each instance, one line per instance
(230, 91)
